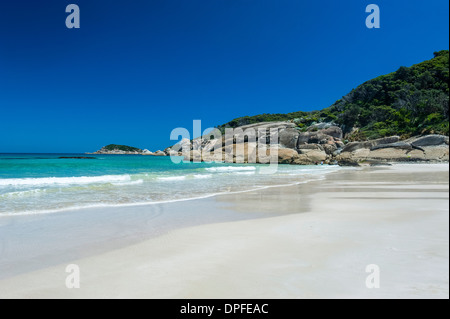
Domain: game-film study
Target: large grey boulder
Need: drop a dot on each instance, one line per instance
(303, 138)
(318, 138)
(398, 145)
(430, 140)
(147, 152)
(211, 145)
(428, 149)
(288, 137)
(159, 153)
(333, 131)
(310, 158)
(197, 144)
(353, 146)
(184, 144)
(287, 156)
(330, 149)
(310, 147)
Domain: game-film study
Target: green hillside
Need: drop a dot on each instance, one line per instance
(411, 101)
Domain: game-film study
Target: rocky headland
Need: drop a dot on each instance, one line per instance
(402, 116)
(319, 143)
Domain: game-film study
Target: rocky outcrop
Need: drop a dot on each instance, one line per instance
(354, 146)
(398, 145)
(334, 131)
(292, 145)
(431, 148)
(287, 156)
(310, 158)
(289, 137)
(159, 153)
(320, 143)
(147, 152)
(429, 140)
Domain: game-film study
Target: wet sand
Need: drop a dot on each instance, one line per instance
(312, 240)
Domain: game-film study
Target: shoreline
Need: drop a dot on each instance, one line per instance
(110, 215)
(212, 195)
(282, 221)
(168, 201)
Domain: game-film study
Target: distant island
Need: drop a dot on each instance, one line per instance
(114, 149)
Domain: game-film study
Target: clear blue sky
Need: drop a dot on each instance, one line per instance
(137, 69)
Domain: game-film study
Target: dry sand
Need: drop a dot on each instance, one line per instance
(313, 241)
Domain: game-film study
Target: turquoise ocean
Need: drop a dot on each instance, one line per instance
(44, 183)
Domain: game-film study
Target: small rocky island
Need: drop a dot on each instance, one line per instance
(114, 149)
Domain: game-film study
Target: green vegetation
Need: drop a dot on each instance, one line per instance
(122, 148)
(411, 101)
(246, 120)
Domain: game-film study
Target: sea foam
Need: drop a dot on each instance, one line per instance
(231, 169)
(48, 181)
(172, 178)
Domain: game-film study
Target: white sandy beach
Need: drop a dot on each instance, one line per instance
(308, 241)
